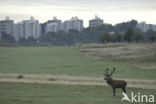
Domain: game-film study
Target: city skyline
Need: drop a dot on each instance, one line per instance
(32, 27)
(112, 11)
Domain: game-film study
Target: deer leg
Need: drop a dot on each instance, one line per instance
(114, 91)
(124, 89)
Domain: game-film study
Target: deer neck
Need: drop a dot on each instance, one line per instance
(109, 81)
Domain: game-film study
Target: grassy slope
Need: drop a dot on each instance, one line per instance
(62, 61)
(140, 55)
(16, 93)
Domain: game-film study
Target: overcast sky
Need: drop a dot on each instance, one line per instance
(112, 11)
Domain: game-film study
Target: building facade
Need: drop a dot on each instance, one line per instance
(74, 23)
(145, 27)
(18, 30)
(53, 25)
(6, 27)
(95, 22)
(27, 28)
(43, 28)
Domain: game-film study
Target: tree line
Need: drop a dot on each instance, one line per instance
(123, 32)
(128, 36)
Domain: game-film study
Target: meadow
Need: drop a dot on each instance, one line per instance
(64, 61)
(76, 61)
(140, 55)
(20, 93)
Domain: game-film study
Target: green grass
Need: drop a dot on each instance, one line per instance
(17, 93)
(62, 61)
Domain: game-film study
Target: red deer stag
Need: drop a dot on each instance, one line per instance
(114, 83)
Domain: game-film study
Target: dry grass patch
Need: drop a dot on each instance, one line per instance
(142, 55)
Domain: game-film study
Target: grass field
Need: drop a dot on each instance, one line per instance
(140, 55)
(63, 61)
(68, 61)
(17, 93)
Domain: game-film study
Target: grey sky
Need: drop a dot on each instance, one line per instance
(112, 11)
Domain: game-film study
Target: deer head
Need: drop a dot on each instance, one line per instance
(107, 75)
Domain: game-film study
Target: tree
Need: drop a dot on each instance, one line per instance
(122, 27)
(118, 37)
(47, 38)
(152, 38)
(108, 37)
(103, 38)
(151, 35)
(137, 36)
(31, 41)
(7, 38)
(129, 34)
(22, 41)
(27, 42)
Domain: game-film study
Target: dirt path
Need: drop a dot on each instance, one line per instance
(72, 80)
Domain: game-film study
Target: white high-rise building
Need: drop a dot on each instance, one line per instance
(32, 28)
(67, 25)
(154, 27)
(95, 22)
(145, 27)
(18, 30)
(151, 27)
(53, 25)
(142, 26)
(27, 28)
(74, 23)
(6, 27)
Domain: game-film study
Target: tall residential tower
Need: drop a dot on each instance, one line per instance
(27, 28)
(95, 22)
(6, 27)
(74, 23)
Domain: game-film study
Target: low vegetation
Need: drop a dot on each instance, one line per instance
(129, 59)
(20, 76)
(65, 61)
(18, 93)
(140, 55)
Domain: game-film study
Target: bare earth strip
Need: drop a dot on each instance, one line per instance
(72, 80)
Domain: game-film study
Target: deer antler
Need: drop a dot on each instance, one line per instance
(112, 72)
(106, 71)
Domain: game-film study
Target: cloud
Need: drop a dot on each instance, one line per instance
(112, 11)
(103, 4)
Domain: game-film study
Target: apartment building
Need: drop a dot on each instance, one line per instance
(27, 28)
(95, 22)
(74, 23)
(6, 26)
